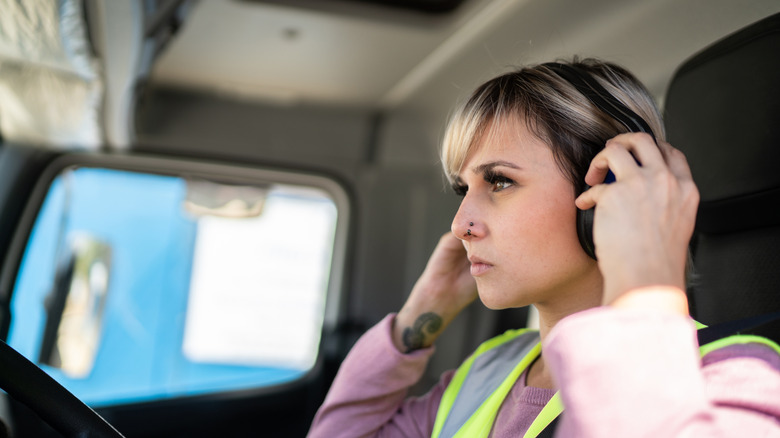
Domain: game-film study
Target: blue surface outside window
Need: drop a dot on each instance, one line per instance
(139, 355)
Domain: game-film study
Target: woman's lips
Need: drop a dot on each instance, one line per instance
(479, 266)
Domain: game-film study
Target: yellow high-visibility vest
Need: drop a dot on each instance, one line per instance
(471, 401)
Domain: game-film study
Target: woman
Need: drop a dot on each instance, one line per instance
(614, 334)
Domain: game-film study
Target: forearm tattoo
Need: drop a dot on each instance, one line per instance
(414, 337)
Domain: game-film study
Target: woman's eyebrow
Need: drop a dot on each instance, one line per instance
(487, 167)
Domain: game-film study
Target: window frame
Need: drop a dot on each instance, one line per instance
(220, 172)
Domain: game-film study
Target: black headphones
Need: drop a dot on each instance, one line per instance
(600, 97)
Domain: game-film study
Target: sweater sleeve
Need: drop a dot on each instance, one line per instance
(639, 374)
(368, 395)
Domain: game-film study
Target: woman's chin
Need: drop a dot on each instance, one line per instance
(498, 301)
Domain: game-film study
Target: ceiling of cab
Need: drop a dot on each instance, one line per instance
(345, 55)
(353, 54)
(425, 6)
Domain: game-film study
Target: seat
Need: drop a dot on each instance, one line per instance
(722, 110)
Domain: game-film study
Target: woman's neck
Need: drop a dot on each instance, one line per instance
(586, 295)
(550, 313)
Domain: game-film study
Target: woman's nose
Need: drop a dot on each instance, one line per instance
(465, 225)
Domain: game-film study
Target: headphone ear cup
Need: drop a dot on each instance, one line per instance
(585, 230)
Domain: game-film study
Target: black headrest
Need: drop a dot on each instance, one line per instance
(723, 111)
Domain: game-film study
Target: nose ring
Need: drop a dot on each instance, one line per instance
(468, 232)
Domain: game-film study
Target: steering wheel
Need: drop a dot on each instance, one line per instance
(31, 386)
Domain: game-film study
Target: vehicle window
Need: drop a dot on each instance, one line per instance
(137, 286)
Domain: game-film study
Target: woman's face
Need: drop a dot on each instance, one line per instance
(523, 245)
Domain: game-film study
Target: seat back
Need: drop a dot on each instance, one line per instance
(723, 111)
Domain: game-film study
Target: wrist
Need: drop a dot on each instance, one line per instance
(660, 298)
(624, 282)
(420, 322)
(416, 332)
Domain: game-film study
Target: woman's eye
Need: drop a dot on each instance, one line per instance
(460, 189)
(501, 185)
(499, 182)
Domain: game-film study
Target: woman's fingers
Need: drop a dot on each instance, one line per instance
(615, 160)
(642, 147)
(636, 154)
(676, 161)
(623, 155)
(689, 193)
(651, 205)
(589, 198)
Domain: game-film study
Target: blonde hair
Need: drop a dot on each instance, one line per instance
(553, 110)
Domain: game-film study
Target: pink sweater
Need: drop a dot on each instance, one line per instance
(623, 374)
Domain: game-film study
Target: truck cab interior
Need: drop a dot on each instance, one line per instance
(204, 203)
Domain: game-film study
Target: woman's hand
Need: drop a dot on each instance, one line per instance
(443, 290)
(644, 221)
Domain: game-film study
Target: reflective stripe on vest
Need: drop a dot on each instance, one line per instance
(737, 339)
(487, 376)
